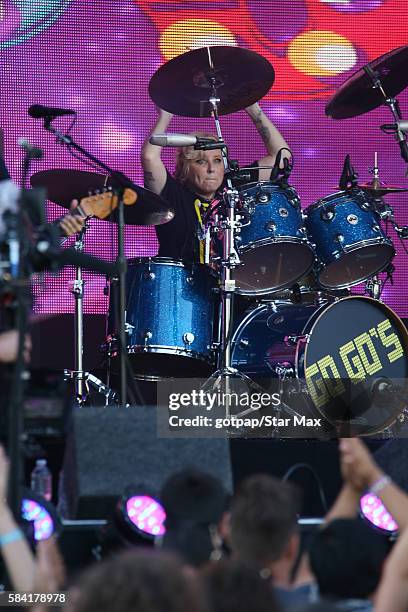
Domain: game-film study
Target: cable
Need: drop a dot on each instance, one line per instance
(306, 466)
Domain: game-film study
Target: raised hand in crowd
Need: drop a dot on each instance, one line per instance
(392, 593)
(15, 550)
(361, 472)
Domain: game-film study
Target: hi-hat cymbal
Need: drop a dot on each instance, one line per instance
(63, 186)
(357, 95)
(182, 86)
(376, 188)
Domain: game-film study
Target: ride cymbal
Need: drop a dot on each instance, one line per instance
(357, 95)
(182, 86)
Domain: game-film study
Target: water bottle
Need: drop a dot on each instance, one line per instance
(41, 479)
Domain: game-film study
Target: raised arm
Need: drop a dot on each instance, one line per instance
(153, 168)
(364, 474)
(272, 138)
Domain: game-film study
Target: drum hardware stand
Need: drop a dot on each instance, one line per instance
(121, 182)
(83, 379)
(393, 105)
(373, 287)
(224, 374)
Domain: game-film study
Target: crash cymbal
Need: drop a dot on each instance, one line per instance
(182, 86)
(63, 186)
(357, 96)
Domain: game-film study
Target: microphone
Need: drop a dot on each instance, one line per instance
(38, 111)
(399, 128)
(399, 125)
(179, 140)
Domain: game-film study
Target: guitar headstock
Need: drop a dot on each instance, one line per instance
(101, 205)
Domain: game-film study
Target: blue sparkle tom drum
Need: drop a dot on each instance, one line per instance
(351, 246)
(169, 319)
(272, 244)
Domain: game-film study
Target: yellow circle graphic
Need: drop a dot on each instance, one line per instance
(183, 36)
(322, 53)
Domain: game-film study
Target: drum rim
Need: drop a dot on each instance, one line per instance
(138, 349)
(253, 184)
(272, 240)
(321, 201)
(156, 260)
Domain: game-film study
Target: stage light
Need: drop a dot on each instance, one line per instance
(374, 511)
(140, 514)
(36, 509)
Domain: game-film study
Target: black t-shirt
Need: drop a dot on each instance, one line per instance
(178, 239)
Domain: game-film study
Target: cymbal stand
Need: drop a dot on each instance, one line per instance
(83, 379)
(230, 224)
(393, 105)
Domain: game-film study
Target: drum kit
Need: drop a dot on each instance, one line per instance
(291, 268)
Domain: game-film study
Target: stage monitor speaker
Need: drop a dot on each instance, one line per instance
(109, 448)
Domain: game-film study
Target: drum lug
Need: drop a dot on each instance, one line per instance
(339, 240)
(147, 335)
(188, 338)
(129, 328)
(262, 197)
(148, 275)
(352, 219)
(283, 212)
(190, 280)
(270, 226)
(244, 343)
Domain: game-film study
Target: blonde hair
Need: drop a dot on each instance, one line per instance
(186, 155)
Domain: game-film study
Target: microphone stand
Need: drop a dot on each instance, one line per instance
(20, 288)
(120, 182)
(393, 105)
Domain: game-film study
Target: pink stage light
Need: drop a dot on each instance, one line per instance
(374, 511)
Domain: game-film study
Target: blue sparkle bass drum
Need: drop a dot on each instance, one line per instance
(169, 319)
(347, 359)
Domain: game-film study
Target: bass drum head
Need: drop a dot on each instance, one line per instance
(355, 364)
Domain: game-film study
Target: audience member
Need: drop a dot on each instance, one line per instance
(236, 587)
(346, 557)
(195, 503)
(138, 581)
(264, 531)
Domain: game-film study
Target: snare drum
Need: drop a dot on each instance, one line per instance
(169, 319)
(350, 243)
(341, 353)
(272, 245)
